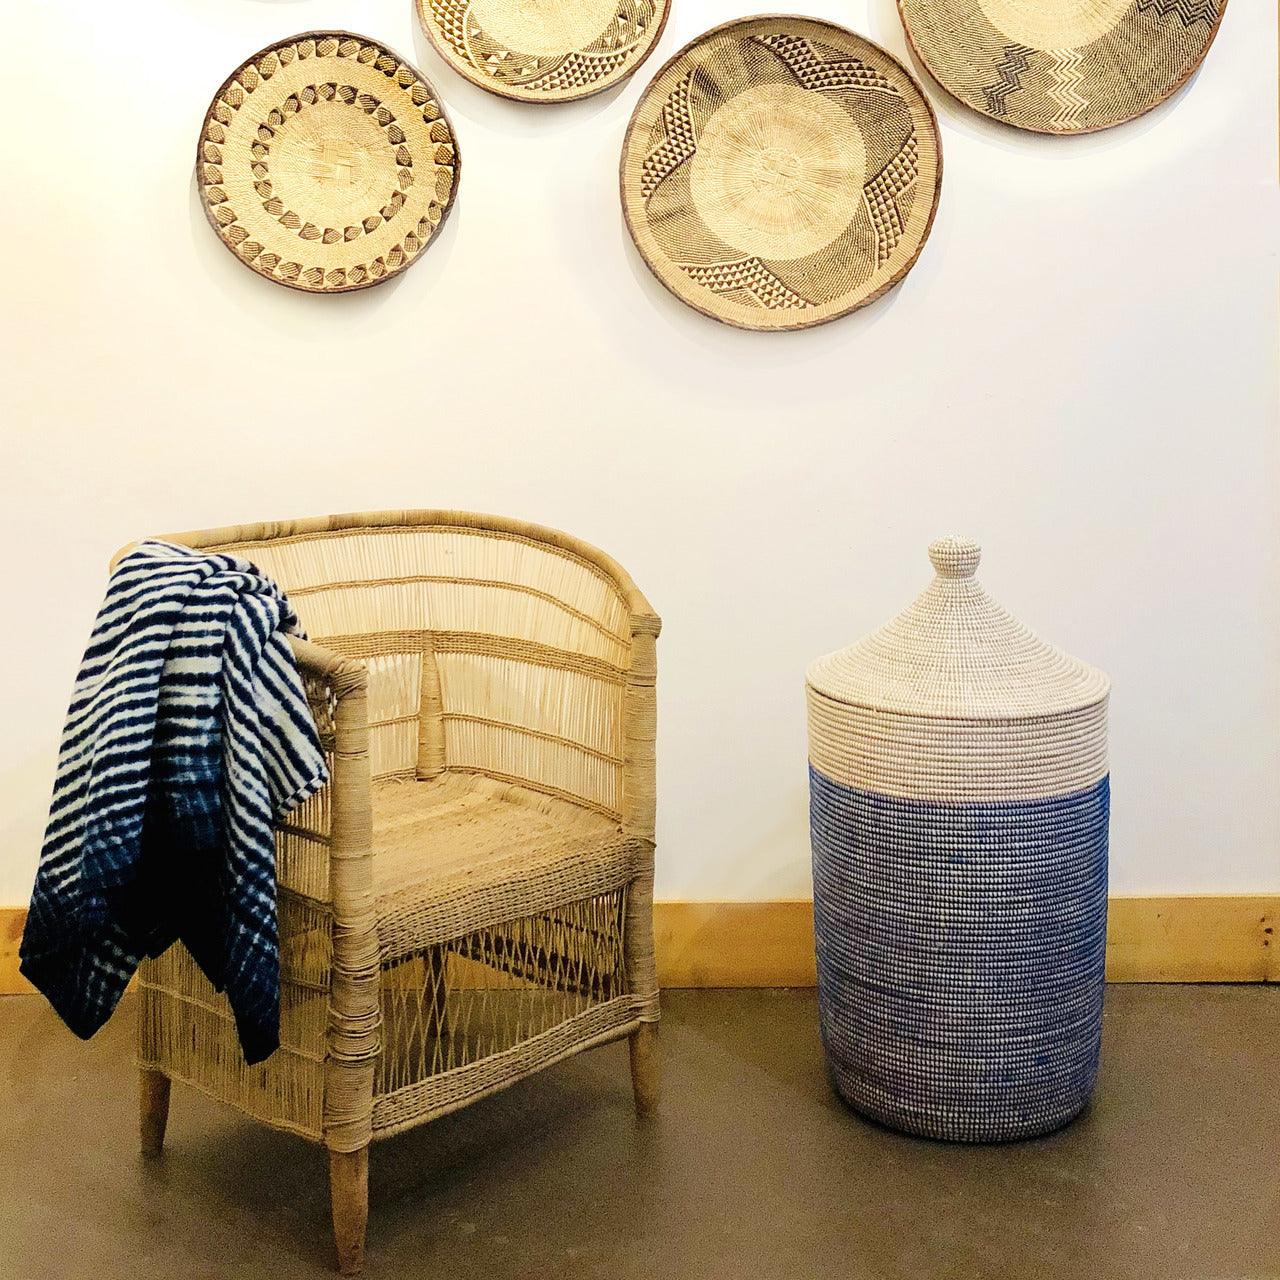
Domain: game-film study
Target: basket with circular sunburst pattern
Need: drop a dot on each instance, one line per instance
(326, 162)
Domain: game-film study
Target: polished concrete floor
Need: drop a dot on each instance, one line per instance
(752, 1170)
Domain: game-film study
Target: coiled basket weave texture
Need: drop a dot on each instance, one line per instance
(1061, 66)
(780, 172)
(326, 163)
(554, 52)
(959, 809)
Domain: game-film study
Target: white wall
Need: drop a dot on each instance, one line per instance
(1081, 371)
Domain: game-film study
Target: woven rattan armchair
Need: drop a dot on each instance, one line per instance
(470, 898)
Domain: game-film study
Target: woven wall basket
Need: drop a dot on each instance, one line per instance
(1061, 66)
(326, 163)
(779, 172)
(958, 807)
(552, 51)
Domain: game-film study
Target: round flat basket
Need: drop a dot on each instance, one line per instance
(779, 172)
(326, 163)
(1061, 66)
(544, 50)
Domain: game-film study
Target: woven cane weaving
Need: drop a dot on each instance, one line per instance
(326, 163)
(547, 50)
(779, 172)
(1061, 66)
(959, 802)
(469, 901)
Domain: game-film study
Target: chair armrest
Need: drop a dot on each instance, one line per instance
(343, 675)
(644, 618)
(354, 1036)
(640, 725)
(337, 690)
(639, 791)
(304, 837)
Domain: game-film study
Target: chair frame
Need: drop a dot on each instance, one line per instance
(353, 1039)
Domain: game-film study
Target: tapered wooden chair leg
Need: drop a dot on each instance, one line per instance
(646, 1067)
(153, 1110)
(349, 1194)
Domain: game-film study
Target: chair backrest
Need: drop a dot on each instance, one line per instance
(492, 646)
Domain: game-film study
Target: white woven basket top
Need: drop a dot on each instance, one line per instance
(956, 654)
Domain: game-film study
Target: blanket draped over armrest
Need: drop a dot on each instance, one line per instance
(187, 738)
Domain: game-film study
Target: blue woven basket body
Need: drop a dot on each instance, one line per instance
(959, 812)
(960, 957)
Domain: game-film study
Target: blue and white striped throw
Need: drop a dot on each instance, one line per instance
(187, 738)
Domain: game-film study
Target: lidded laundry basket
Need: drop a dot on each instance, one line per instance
(958, 812)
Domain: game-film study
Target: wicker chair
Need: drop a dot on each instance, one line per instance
(469, 900)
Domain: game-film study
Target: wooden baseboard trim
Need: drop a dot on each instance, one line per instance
(770, 944)
(1175, 939)
(11, 981)
(1204, 939)
(734, 944)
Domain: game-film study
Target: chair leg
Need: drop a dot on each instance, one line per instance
(646, 1067)
(153, 1110)
(349, 1195)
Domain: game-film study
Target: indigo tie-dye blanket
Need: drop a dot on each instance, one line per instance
(187, 738)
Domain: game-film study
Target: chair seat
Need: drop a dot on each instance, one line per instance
(463, 852)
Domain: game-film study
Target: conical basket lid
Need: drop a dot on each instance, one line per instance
(956, 653)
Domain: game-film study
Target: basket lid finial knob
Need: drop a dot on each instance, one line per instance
(955, 557)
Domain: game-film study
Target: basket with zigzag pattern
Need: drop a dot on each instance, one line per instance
(1062, 66)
